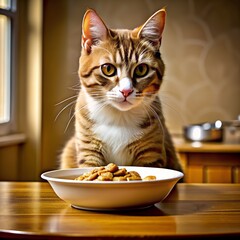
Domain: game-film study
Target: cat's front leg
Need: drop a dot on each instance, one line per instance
(90, 155)
(68, 156)
(78, 154)
(158, 164)
(149, 162)
(91, 162)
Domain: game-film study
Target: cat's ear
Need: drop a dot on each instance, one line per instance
(152, 29)
(93, 30)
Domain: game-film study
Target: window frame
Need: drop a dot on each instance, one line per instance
(10, 126)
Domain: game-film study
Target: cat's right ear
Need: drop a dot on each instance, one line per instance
(93, 30)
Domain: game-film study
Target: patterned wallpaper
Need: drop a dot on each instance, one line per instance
(200, 47)
(201, 50)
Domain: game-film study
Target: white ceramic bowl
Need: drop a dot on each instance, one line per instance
(92, 195)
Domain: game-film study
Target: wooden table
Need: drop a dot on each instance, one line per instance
(33, 211)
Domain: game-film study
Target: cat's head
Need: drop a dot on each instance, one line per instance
(121, 68)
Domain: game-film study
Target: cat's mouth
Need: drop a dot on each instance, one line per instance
(123, 105)
(125, 100)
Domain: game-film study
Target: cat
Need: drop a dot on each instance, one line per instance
(118, 114)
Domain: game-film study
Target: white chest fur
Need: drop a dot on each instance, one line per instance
(116, 129)
(116, 139)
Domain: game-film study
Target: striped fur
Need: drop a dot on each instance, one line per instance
(118, 116)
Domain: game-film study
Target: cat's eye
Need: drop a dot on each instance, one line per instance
(108, 70)
(141, 70)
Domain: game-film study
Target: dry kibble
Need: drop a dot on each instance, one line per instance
(149, 178)
(120, 172)
(106, 176)
(97, 169)
(92, 177)
(99, 172)
(121, 178)
(111, 167)
(112, 173)
(80, 178)
(134, 174)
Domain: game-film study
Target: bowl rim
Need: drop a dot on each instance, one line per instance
(44, 176)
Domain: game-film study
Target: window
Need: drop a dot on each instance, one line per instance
(7, 21)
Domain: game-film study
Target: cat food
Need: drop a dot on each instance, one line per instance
(112, 172)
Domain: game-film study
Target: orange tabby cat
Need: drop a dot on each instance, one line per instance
(118, 114)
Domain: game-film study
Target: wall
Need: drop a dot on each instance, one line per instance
(200, 48)
(201, 51)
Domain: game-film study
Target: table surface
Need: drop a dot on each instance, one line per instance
(31, 210)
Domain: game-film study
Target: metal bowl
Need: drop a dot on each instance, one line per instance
(204, 132)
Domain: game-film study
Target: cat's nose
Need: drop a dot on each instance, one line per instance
(126, 92)
(125, 86)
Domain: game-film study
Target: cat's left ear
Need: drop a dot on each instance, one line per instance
(152, 29)
(93, 30)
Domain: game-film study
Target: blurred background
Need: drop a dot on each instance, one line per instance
(200, 47)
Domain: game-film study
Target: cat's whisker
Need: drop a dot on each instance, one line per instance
(146, 94)
(100, 106)
(155, 114)
(69, 121)
(151, 108)
(95, 92)
(76, 87)
(71, 103)
(113, 97)
(97, 96)
(147, 112)
(65, 100)
(71, 111)
(77, 111)
(173, 109)
(111, 94)
(162, 97)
